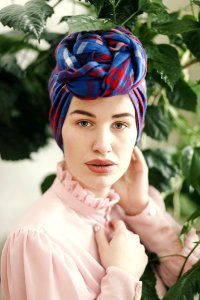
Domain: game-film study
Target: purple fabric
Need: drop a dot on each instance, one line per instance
(97, 64)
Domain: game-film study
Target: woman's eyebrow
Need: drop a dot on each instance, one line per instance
(83, 112)
(123, 115)
(89, 114)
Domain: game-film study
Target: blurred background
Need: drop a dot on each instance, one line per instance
(20, 181)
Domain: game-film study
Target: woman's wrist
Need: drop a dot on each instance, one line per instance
(137, 209)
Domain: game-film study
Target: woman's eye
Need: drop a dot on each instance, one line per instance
(84, 123)
(120, 125)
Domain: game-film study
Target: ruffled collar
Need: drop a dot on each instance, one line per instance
(83, 195)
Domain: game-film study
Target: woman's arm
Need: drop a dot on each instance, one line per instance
(33, 268)
(124, 254)
(159, 232)
(146, 216)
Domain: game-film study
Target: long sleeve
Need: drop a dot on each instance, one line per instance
(35, 268)
(160, 234)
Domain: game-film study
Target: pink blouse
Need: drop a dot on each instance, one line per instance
(52, 254)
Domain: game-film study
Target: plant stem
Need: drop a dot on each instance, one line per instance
(114, 12)
(131, 16)
(117, 3)
(176, 203)
(183, 266)
(166, 256)
(192, 8)
(57, 3)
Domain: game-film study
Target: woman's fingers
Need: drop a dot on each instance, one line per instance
(138, 157)
(117, 225)
(101, 238)
(124, 250)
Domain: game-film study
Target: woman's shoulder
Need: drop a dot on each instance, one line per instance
(47, 211)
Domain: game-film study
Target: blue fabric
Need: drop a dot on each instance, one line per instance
(97, 64)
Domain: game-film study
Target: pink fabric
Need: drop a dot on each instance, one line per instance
(51, 254)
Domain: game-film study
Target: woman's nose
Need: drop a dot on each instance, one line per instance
(102, 142)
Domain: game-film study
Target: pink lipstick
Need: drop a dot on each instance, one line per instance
(100, 165)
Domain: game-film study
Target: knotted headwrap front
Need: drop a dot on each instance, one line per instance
(97, 64)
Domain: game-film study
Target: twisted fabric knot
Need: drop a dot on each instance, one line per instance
(97, 64)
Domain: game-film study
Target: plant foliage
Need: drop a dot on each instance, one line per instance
(174, 98)
(29, 18)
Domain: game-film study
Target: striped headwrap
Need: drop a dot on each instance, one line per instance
(97, 64)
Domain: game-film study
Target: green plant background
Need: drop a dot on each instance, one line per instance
(171, 138)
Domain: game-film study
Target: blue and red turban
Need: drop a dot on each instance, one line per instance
(97, 64)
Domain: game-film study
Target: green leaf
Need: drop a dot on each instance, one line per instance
(157, 124)
(153, 7)
(12, 42)
(148, 284)
(182, 96)
(197, 2)
(47, 182)
(30, 18)
(8, 63)
(187, 286)
(86, 23)
(189, 223)
(175, 26)
(126, 11)
(161, 168)
(8, 97)
(192, 40)
(99, 5)
(165, 61)
(10, 148)
(28, 127)
(190, 166)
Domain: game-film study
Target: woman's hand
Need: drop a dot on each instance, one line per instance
(133, 185)
(123, 251)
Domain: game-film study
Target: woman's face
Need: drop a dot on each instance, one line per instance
(98, 139)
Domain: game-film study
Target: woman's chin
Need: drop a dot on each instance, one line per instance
(99, 185)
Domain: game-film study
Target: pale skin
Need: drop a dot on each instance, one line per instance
(106, 129)
(133, 190)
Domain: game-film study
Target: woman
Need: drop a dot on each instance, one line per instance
(81, 240)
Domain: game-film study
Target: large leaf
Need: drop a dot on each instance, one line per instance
(164, 60)
(153, 7)
(190, 165)
(12, 42)
(30, 18)
(187, 286)
(183, 96)
(8, 63)
(189, 223)
(157, 124)
(100, 5)
(27, 129)
(47, 182)
(192, 40)
(197, 2)
(175, 26)
(8, 97)
(87, 23)
(161, 168)
(123, 11)
(148, 284)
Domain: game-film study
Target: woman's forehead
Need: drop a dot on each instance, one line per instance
(112, 105)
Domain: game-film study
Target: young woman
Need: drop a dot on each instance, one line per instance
(85, 238)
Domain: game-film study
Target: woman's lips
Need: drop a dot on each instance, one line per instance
(100, 166)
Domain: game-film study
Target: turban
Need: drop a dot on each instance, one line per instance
(97, 64)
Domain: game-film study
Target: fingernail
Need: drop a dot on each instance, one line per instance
(96, 227)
